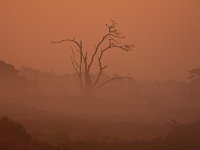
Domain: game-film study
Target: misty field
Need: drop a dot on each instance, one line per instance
(126, 114)
(99, 75)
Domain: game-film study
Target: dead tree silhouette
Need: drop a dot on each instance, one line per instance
(82, 64)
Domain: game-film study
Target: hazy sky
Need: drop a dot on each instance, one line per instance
(166, 34)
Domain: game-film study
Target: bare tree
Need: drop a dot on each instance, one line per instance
(82, 64)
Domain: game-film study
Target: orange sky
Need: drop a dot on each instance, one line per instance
(166, 34)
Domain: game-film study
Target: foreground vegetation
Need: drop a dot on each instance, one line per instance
(13, 136)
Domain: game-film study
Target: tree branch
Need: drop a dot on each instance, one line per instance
(110, 80)
(68, 40)
(112, 32)
(76, 65)
(96, 49)
(113, 43)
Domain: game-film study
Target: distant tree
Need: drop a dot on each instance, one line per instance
(195, 74)
(194, 85)
(82, 64)
(10, 75)
(7, 71)
(13, 84)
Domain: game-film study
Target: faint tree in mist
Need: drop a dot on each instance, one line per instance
(195, 74)
(82, 63)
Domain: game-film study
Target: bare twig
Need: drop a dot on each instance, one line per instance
(110, 80)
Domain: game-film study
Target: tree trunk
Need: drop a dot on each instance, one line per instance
(88, 84)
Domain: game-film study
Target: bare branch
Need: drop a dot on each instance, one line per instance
(75, 60)
(112, 33)
(110, 80)
(113, 43)
(96, 49)
(69, 40)
(76, 65)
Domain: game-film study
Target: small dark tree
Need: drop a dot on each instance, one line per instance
(82, 64)
(195, 74)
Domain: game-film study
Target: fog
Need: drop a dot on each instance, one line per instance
(126, 109)
(99, 75)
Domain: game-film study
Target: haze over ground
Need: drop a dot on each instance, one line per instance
(67, 111)
(166, 34)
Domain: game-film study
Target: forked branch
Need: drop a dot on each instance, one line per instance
(110, 80)
(77, 63)
(113, 38)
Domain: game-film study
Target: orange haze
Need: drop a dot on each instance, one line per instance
(166, 34)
